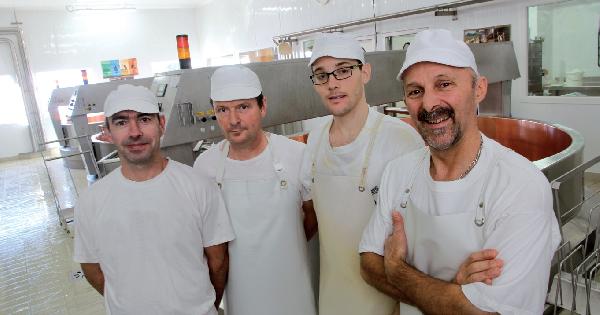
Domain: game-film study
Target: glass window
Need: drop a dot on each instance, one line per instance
(564, 48)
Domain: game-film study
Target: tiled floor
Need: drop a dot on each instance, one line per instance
(36, 266)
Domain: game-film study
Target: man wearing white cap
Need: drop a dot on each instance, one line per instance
(258, 174)
(461, 194)
(342, 166)
(151, 236)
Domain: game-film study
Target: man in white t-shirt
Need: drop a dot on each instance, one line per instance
(462, 193)
(258, 175)
(342, 166)
(152, 235)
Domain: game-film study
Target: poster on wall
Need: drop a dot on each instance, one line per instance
(498, 33)
(307, 47)
(119, 69)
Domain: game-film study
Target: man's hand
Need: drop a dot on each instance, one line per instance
(396, 246)
(480, 266)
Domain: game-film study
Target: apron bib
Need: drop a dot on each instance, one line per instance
(452, 238)
(268, 265)
(343, 208)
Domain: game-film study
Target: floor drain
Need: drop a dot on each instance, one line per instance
(77, 275)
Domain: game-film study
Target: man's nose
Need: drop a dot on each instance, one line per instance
(332, 82)
(134, 129)
(430, 100)
(234, 117)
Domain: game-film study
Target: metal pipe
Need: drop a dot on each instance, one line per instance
(64, 139)
(455, 4)
(66, 156)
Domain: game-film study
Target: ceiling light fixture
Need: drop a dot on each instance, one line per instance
(97, 6)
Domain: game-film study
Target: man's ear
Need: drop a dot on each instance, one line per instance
(161, 123)
(366, 73)
(263, 109)
(481, 89)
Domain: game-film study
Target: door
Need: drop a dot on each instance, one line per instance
(20, 127)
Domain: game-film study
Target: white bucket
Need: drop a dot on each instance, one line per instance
(574, 78)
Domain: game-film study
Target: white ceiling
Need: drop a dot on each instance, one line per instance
(139, 4)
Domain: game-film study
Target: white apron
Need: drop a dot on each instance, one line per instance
(438, 245)
(343, 208)
(268, 264)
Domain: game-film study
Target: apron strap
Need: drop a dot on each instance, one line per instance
(480, 207)
(277, 166)
(413, 175)
(221, 164)
(480, 210)
(364, 171)
(363, 176)
(320, 141)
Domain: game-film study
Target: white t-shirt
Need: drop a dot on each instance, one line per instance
(289, 153)
(520, 222)
(393, 139)
(149, 239)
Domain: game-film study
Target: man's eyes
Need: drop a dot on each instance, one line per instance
(342, 71)
(320, 76)
(413, 93)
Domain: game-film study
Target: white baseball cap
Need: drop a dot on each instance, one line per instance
(337, 46)
(438, 45)
(130, 97)
(235, 82)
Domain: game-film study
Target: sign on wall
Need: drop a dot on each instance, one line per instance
(116, 69)
(498, 33)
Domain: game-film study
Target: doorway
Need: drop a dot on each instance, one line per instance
(20, 125)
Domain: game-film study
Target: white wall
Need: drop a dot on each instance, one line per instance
(231, 26)
(59, 44)
(57, 39)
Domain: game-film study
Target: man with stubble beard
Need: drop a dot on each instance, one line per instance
(151, 236)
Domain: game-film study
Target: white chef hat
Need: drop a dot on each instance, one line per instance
(130, 97)
(438, 45)
(234, 82)
(337, 46)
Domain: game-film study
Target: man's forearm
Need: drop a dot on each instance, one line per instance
(373, 272)
(94, 276)
(430, 295)
(218, 278)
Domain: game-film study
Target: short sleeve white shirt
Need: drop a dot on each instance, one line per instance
(149, 239)
(520, 221)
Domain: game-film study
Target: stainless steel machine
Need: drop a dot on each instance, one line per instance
(60, 108)
(184, 95)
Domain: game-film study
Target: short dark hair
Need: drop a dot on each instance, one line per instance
(259, 100)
